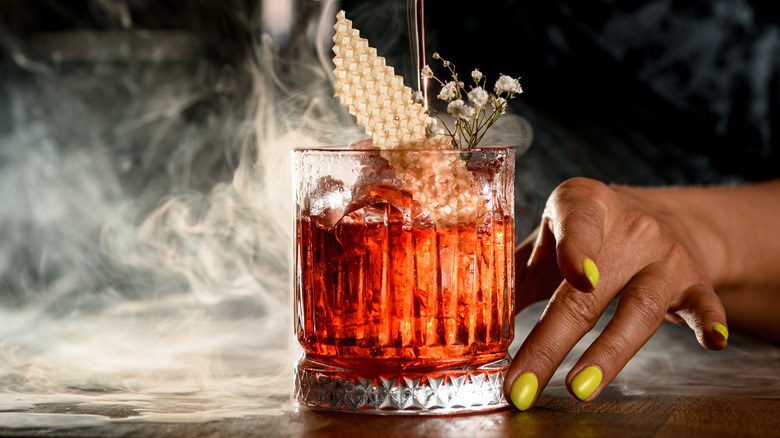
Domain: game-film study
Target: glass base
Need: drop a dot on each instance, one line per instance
(444, 391)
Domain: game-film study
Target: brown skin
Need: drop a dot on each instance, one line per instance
(688, 255)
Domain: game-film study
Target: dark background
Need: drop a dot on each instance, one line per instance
(703, 76)
(656, 92)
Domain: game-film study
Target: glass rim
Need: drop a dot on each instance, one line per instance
(345, 148)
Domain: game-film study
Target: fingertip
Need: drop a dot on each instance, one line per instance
(721, 336)
(586, 382)
(713, 337)
(580, 272)
(720, 328)
(703, 312)
(523, 391)
(591, 271)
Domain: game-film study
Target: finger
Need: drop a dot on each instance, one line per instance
(525, 249)
(523, 253)
(537, 274)
(577, 212)
(703, 312)
(640, 311)
(568, 316)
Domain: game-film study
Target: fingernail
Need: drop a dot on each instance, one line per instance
(720, 328)
(591, 271)
(585, 383)
(523, 391)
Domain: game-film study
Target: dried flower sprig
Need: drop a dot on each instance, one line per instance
(472, 119)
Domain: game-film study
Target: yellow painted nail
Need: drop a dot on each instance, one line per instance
(720, 328)
(523, 391)
(591, 271)
(584, 384)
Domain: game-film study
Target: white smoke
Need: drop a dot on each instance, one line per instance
(146, 221)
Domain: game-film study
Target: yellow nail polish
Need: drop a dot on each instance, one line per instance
(591, 271)
(586, 382)
(523, 391)
(720, 328)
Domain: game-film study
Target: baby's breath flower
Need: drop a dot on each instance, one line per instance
(455, 106)
(418, 97)
(448, 91)
(508, 84)
(467, 112)
(478, 96)
(432, 129)
(426, 72)
(499, 104)
(459, 109)
(471, 121)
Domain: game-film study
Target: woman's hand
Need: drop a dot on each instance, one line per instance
(652, 249)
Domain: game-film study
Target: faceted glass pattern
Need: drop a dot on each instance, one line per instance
(435, 393)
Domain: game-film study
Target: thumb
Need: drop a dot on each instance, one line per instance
(577, 212)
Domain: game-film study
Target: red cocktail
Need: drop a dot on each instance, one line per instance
(397, 312)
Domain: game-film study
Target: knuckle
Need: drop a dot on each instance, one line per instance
(696, 297)
(677, 254)
(546, 355)
(677, 258)
(580, 310)
(648, 305)
(612, 350)
(578, 200)
(640, 225)
(579, 186)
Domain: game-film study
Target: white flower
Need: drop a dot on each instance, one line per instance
(472, 119)
(448, 91)
(458, 108)
(508, 84)
(417, 97)
(499, 104)
(478, 96)
(426, 72)
(455, 107)
(432, 129)
(466, 113)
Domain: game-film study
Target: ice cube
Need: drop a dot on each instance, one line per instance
(365, 143)
(328, 201)
(375, 170)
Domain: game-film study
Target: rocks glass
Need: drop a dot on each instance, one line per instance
(398, 313)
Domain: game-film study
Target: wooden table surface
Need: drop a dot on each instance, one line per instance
(557, 415)
(672, 388)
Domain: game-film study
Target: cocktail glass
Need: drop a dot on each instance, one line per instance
(399, 313)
